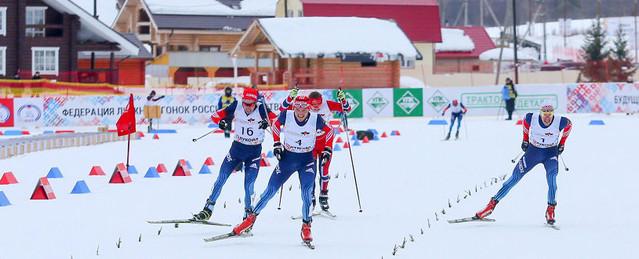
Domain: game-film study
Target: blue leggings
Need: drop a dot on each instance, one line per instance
(532, 157)
(304, 165)
(239, 153)
(458, 117)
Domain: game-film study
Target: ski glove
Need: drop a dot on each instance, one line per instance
(326, 155)
(263, 124)
(561, 149)
(293, 93)
(524, 146)
(443, 113)
(223, 125)
(341, 96)
(278, 151)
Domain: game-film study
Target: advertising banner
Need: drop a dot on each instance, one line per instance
(354, 98)
(408, 102)
(28, 112)
(378, 102)
(6, 112)
(603, 98)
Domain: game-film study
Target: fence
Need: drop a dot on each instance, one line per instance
(18, 146)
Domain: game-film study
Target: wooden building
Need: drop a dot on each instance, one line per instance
(459, 52)
(46, 37)
(327, 52)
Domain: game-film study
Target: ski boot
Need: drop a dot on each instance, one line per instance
(306, 232)
(457, 135)
(447, 136)
(323, 200)
(246, 225)
(550, 214)
(488, 210)
(247, 212)
(203, 215)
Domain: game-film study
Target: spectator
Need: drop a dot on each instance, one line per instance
(36, 76)
(509, 94)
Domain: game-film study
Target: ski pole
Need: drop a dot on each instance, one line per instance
(517, 157)
(200, 137)
(564, 163)
(350, 151)
(279, 206)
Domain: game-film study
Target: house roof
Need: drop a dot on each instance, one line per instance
(507, 54)
(331, 36)
(92, 28)
(142, 54)
(212, 7)
(375, 2)
(480, 40)
(203, 22)
(418, 18)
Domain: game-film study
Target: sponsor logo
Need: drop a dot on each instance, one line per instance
(251, 120)
(29, 113)
(408, 102)
(377, 102)
(305, 133)
(438, 101)
(352, 101)
(253, 165)
(5, 113)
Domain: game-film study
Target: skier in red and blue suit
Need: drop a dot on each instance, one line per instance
(544, 140)
(301, 128)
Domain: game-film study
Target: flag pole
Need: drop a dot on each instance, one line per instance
(128, 148)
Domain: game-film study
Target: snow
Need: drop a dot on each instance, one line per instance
(576, 30)
(410, 82)
(402, 180)
(107, 10)
(455, 40)
(310, 36)
(508, 54)
(212, 7)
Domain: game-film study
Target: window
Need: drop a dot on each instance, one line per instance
(3, 20)
(3, 61)
(45, 60)
(144, 29)
(210, 48)
(35, 17)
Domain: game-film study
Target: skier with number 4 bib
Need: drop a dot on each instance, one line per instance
(542, 144)
(251, 122)
(295, 154)
(325, 109)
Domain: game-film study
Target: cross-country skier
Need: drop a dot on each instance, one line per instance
(295, 154)
(325, 109)
(225, 101)
(251, 122)
(457, 111)
(542, 144)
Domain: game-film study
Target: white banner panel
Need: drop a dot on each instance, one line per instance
(378, 102)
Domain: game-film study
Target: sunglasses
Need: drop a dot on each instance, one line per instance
(248, 104)
(300, 105)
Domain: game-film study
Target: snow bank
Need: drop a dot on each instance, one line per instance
(410, 82)
(212, 7)
(508, 54)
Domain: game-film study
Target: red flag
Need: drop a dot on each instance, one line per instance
(126, 122)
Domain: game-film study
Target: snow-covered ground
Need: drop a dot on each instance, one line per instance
(403, 182)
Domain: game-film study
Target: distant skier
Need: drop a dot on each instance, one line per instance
(325, 109)
(457, 111)
(151, 100)
(251, 122)
(224, 101)
(543, 142)
(300, 130)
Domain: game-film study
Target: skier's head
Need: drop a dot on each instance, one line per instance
(249, 98)
(301, 106)
(547, 112)
(455, 102)
(228, 91)
(315, 100)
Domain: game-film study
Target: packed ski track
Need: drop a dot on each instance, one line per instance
(410, 186)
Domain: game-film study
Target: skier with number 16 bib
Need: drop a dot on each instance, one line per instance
(542, 144)
(295, 154)
(251, 122)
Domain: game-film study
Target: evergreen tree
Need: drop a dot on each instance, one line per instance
(621, 66)
(595, 54)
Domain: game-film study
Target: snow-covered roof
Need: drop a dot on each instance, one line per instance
(508, 54)
(212, 7)
(454, 40)
(311, 36)
(106, 9)
(92, 28)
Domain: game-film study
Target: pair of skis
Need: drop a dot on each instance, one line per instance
(476, 219)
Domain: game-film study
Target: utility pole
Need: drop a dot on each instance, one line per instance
(564, 23)
(515, 42)
(636, 57)
(481, 13)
